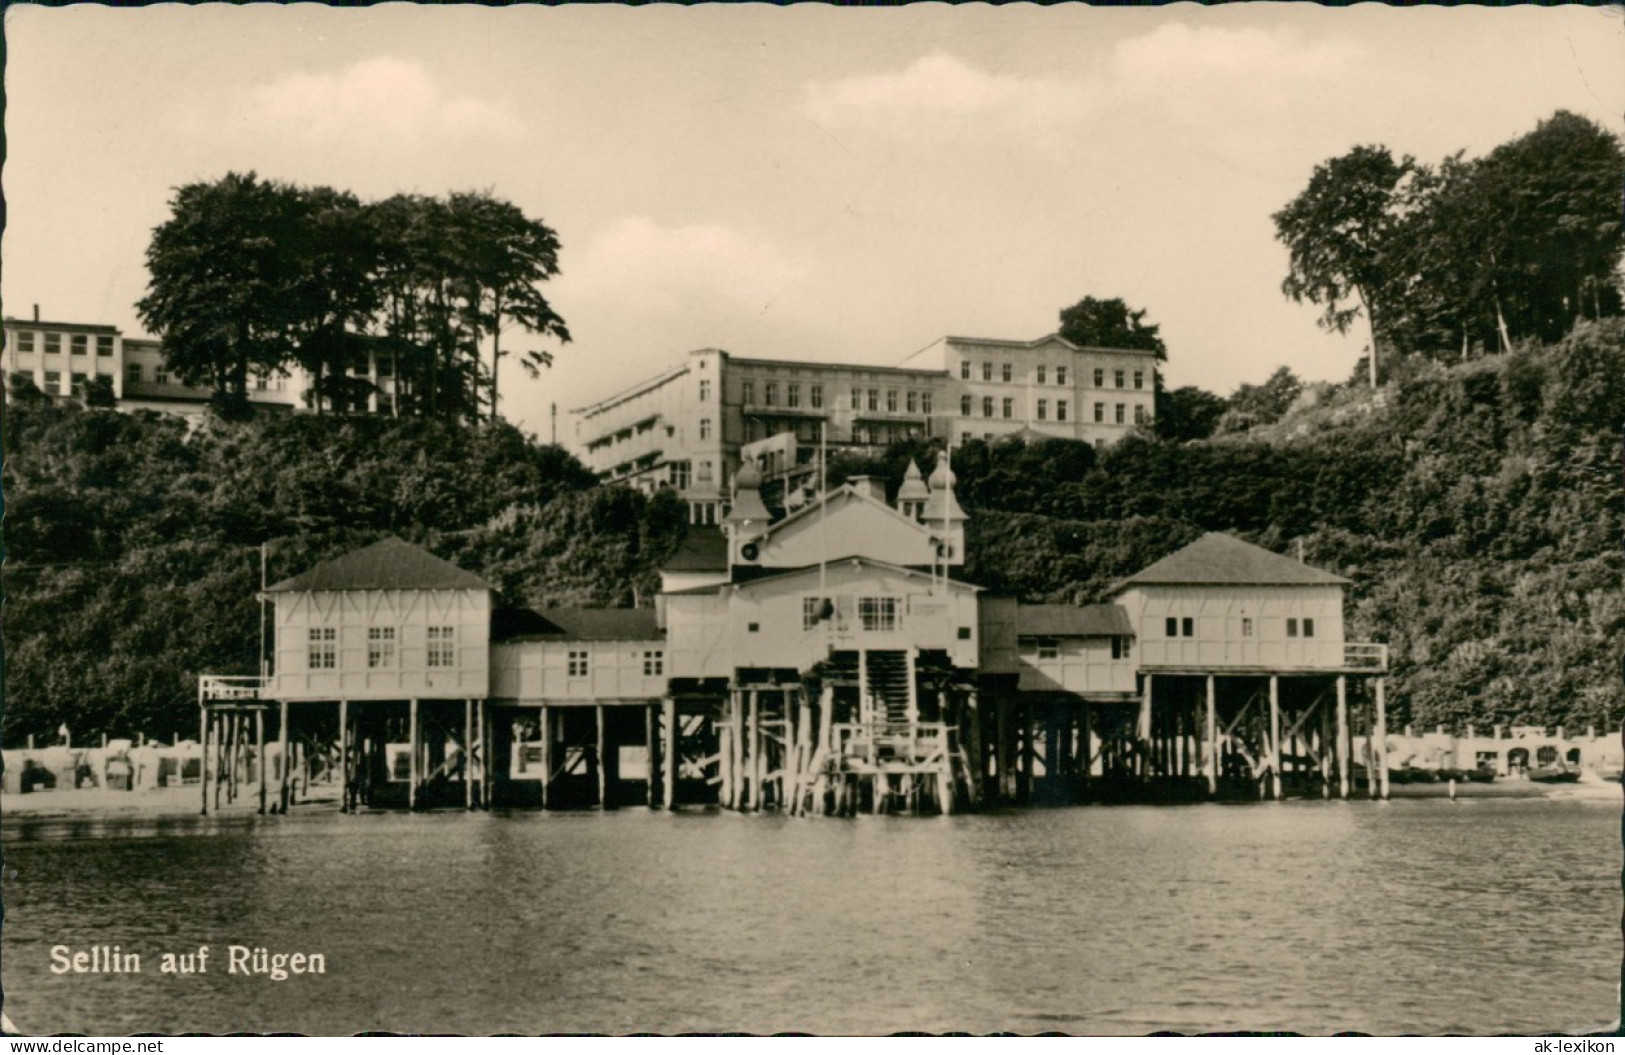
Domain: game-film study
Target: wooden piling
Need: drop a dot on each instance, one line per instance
(754, 735)
(282, 758)
(1142, 730)
(468, 753)
(1086, 745)
(1382, 736)
(1029, 751)
(412, 741)
(1211, 758)
(1005, 760)
(603, 760)
(203, 759)
(651, 753)
(1343, 760)
(1275, 736)
(668, 772)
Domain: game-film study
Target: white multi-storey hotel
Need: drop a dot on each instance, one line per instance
(690, 427)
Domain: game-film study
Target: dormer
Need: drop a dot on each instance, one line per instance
(913, 496)
(943, 514)
(748, 519)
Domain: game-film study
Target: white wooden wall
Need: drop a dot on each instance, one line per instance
(539, 671)
(1218, 613)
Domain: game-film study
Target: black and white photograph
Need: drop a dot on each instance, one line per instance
(736, 519)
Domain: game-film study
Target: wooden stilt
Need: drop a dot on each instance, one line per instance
(203, 760)
(754, 738)
(1086, 746)
(412, 741)
(672, 744)
(547, 753)
(1004, 763)
(1143, 729)
(1029, 751)
(344, 756)
(603, 761)
(651, 753)
(1211, 737)
(1381, 746)
(1275, 736)
(282, 759)
(468, 754)
(1342, 737)
(259, 755)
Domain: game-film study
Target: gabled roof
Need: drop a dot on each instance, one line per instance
(835, 565)
(704, 548)
(846, 491)
(577, 624)
(388, 564)
(1065, 620)
(1223, 560)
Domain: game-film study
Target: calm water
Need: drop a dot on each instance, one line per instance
(1312, 917)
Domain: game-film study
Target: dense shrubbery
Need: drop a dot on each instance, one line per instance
(1477, 511)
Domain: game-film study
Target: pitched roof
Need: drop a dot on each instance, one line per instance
(583, 624)
(704, 548)
(388, 564)
(1223, 560)
(1065, 620)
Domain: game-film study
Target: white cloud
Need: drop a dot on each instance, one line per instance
(940, 87)
(379, 100)
(699, 266)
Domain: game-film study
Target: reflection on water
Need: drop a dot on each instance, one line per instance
(1476, 917)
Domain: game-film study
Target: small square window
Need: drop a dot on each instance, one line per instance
(1308, 628)
(753, 628)
(1291, 628)
(578, 664)
(104, 344)
(1170, 627)
(654, 664)
(1187, 627)
(80, 345)
(1048, 648)
(964, 633)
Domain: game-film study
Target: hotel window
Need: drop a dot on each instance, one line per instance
(1170, 627)
(104, 344)
(1119, 413)
(160, 375)
(380, 646)
(705, 390)
(705, 428)
(679, 475)
(1040, 374)
(891, 400)
(654, 664)
(703, 474)
(987, 406)
(1043, 409)
(1060, 410)
(1049, 648)
(792, 395)
(747, 392)
(1100, 378)
(878, 614)
(987, 371)
(1308, 628)
(259, 383)
(1100, 412)
(1117, 376)
(323, 648)
(1005, 371)
(964, 369)
(1060, 375)
(1291, 628)
(578, 665)
(79, 383)
(132, 373)
(1139, 379)
(1139, 414)
(925, 402)
(1009, 407)
(964, 406)
(1246, 626)
(80, 344)
(53, 344)
(816, 396)
(811, 609)
(874, 399)
(25, 340)
(1119, 646)
(442, 646)
(913, 402)
(53, 382)
(1187, 627)
(857, 399)
(772, 393)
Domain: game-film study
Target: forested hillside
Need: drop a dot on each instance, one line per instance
(1477, 509)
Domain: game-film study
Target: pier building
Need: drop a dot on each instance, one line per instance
(829, 659)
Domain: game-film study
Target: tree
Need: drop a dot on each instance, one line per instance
(99, 391)
(1110, 323)
(1337, 232)
(221, 274)
(1188, 413)
(1263, 404)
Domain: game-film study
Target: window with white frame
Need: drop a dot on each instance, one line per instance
(816, 396)
(132, 373)
(1117, 378)
(1139, 414)
(987, 371)
(964, 369)
(25, 340)
(654, 664)
(1042, 410)
(53, 344)
(578, 665)
(1308, 628)
(1139, 379)
(80, 344)
(380, 646)
(1009, 407)
(891, 400)
(1060, 410)
(104, 344)
(1060, 375)
(1120, 413)
(1246, 626)
(1041, 373)
(987, 406)
(1049, 648)
(913, 401)
(323, 648)
(1004, 372)
(925, 402)
(874, 399)
(1100, 378)
(703, 473)
(812, 611)
(877, 614)
(705, 390)
(747, 392)
(705, 428)
(792, 395)
(53, 382)
(772, 398)
(964, 406)
(442, 651)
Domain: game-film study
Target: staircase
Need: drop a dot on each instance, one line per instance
(888, 687)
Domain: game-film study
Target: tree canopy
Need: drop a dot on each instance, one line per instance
(1110, 323)
(249, 278)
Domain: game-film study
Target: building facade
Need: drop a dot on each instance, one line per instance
(692, 426)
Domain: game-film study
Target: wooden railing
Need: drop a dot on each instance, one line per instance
(212, 687)
(1365, 655)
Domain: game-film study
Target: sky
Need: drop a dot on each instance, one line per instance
(802, 182)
